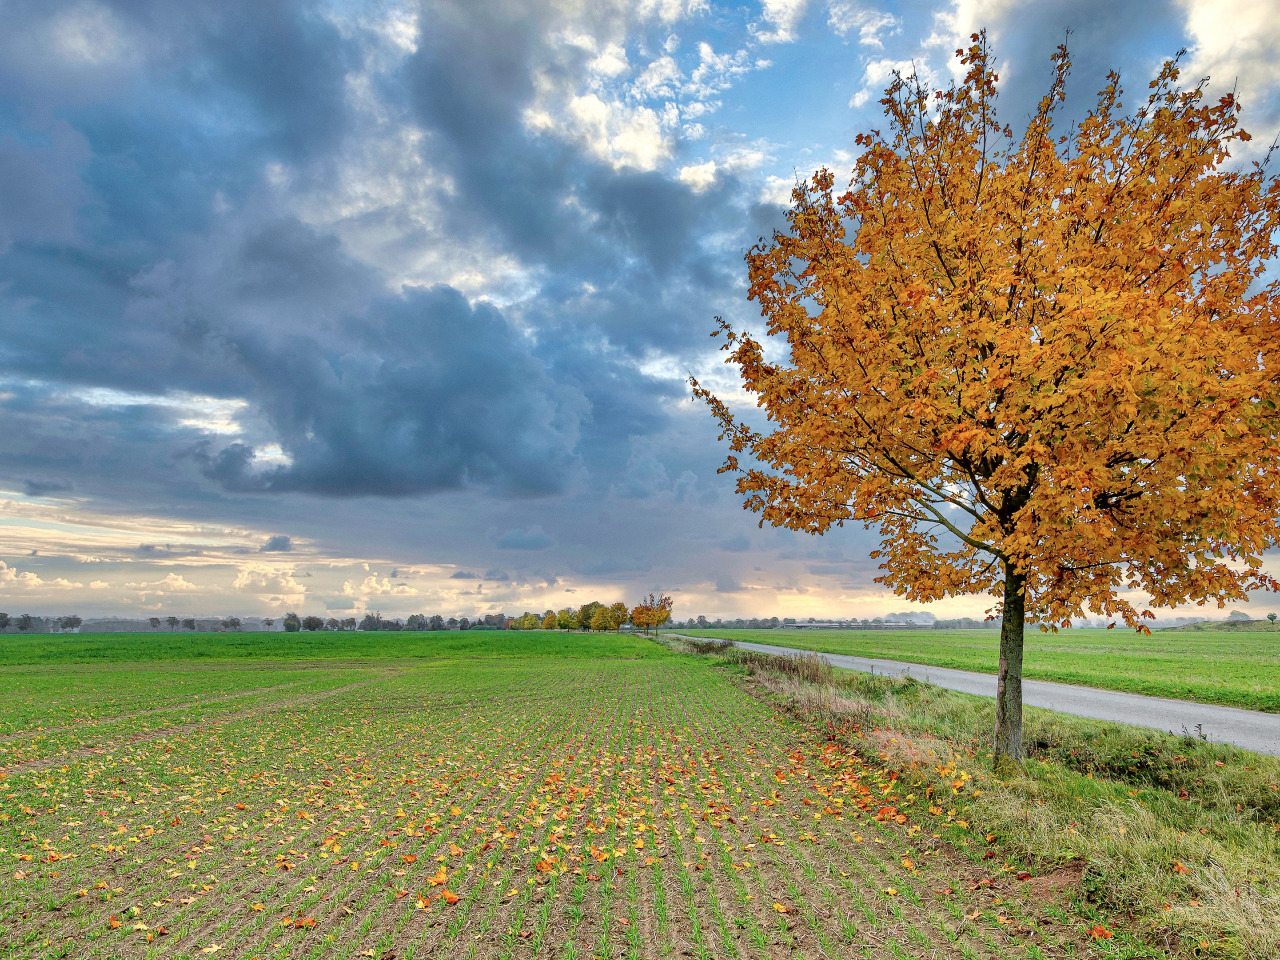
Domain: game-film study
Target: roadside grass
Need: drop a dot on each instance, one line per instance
(1178, 835)
(485, 807)
(1234, 669)
(38, 648)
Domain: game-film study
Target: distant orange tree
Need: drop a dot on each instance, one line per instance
(651, 612)
(1042, 368)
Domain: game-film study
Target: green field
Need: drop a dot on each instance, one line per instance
(1236, 669)
(623, 802)
(33, 648)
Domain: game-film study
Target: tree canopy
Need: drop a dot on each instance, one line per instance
(1044, 368)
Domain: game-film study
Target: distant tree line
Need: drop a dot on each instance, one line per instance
(792, 623)
(594, 616)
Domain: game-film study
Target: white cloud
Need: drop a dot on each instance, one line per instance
(263, 578)
(1236, 40)
(373, 587)
(621, 135)
(777, 190)
(170, 583)
(669, 11)
(661, 78)
(715, 71)
(610, 62)
(878, 74)
(698, 176)
(779, 20)
(14, 579)
(846, 16)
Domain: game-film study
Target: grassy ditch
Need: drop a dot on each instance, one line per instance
(1175, 840)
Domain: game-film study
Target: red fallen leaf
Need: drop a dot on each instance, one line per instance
(988, 855)
(305, 922)
(487, 846)
(1099, 932)
(241, 806)
(592, 876)
(525, 934)
(401, 894)
(544, 865)
(1023, 875)
(424, 902)
(1179, 868)
(450, 897)
(409, 857)
(112, 922)
(175, 822)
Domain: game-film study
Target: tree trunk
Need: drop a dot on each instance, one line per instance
(1008, 735)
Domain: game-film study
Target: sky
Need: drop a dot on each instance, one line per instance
(340, 307)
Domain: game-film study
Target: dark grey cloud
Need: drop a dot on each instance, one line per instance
(532, 539)
(42, 488)
(280, 543)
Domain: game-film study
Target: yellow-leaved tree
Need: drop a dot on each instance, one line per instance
(1044, 368)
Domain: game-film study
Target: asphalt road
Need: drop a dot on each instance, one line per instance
(1249, 729)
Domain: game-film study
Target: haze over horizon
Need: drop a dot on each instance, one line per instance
(353, 306)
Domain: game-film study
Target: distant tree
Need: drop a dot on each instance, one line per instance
(231, 623)
(651, 612)
(333, 624)
(390, 625)
(436, 622)
(172, 622)
(1270, 616)
(1237, 615)
(370, 621)
(25, 622)
(292, 623)
(155, 622)
(567, 619)
(601, 619)
(70, 622)
(349, 623)
(464, 624)
(416, 622)
(268, 622)
(312, 623)
(451, 623)
(549, 622)
(189, 623)
(4, 621)
(618, 614)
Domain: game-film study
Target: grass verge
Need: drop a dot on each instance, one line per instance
(1176, 839)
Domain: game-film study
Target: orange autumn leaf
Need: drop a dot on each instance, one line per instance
(305, 922)
(1179, 868)
(113, 922)
(454, 850)
(449, 897)
(1099, 932)
(1042, 370)
(409, 857)
(438, 879)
